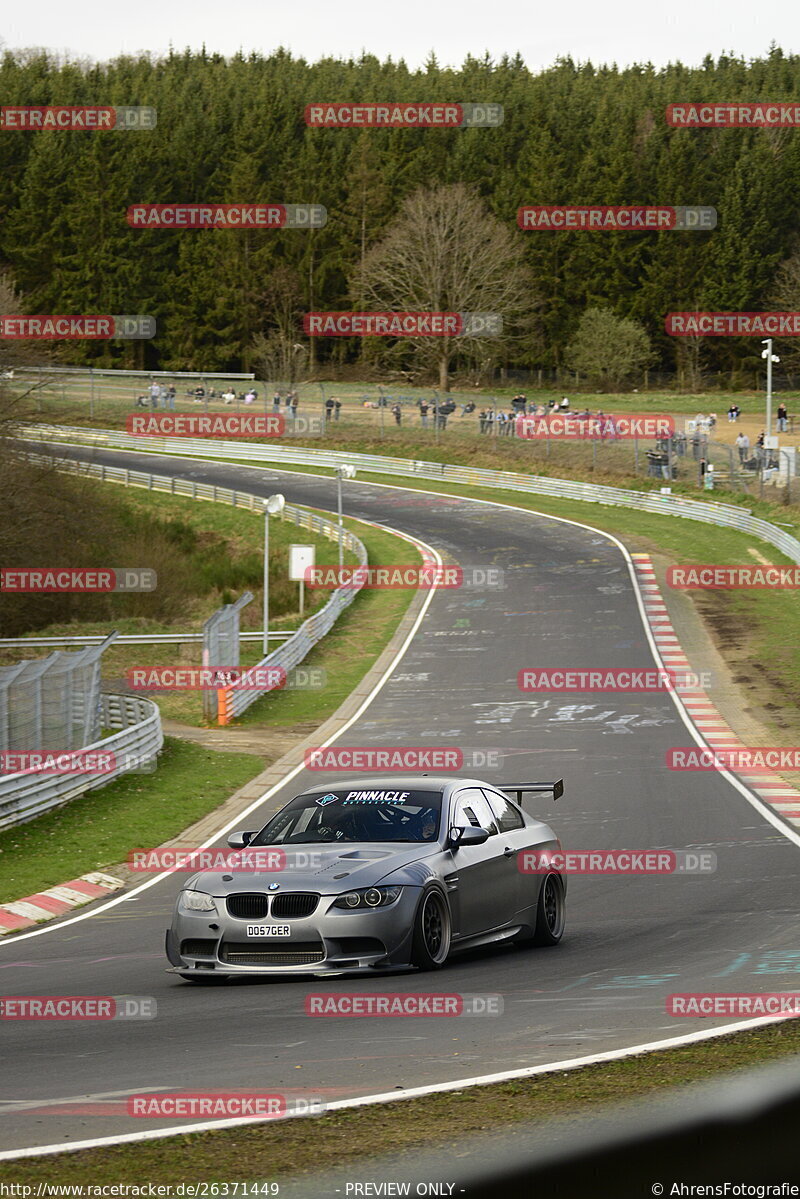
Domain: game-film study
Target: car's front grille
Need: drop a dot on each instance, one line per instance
(294, 904)
(272, 953)
(255, 906)
(198, 949)
(248, 906)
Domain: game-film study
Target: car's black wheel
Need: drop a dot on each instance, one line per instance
(431, 942)
(206, 980)
(551, 912)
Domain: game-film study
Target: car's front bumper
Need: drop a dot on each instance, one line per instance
(330, 941)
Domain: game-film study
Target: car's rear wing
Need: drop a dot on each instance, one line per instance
(519, 789)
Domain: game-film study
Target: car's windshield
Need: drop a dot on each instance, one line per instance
(388, 814)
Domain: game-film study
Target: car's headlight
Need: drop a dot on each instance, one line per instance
(372, 897)
(197, 901)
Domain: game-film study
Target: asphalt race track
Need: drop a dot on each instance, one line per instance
(568, 601)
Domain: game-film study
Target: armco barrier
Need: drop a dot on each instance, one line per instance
(231, 701)
(728, 515)
(25, 796)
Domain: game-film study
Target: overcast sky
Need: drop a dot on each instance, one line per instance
(595, 30)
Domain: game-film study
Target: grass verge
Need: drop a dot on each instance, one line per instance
(294, 1148)
(98, 830)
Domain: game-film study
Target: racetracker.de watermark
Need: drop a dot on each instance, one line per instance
(243, 424)
(77, 328)
(264, 858)
(402, 759)
(205, 678)
(34, 118)
(616, 218)
(589, 428)
(49, 762)
(376, 578)
(621, 679)
(227, 216)
(76, 761)
(67, 579)
(221, 1105)
(403, 324)
(741, 759)
(78, 1007)
(733, 324)
(712, 575)
(760, 114)
(397, 1003)
(392, 115)
(617, 861)
(740, 1004)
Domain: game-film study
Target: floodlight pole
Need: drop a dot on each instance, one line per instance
(342, 472)
(274, 503)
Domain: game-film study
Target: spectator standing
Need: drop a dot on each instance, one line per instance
(783, 418)
(482, 421)
(276, 402)
(424, 408)
(295, 403)
(171, 396)
(398, 413)
(743, 446)
(329, 408)
(163, 395)
(337, 408)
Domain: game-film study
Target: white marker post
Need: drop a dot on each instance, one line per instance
(275, 503)
(301, 559)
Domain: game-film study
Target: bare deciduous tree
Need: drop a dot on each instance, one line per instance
(446, 252)
(279, 355)
(786, 298)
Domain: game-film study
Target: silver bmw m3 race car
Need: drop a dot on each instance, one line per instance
(374, 873)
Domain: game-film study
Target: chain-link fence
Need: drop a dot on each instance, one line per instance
(221, 646)
(52, 704)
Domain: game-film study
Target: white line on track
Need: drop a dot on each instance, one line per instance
(441, 1088)
(482, 1079)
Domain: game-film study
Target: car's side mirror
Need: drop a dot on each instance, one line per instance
(467, 836)
(239, 840)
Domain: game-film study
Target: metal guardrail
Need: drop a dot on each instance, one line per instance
(129, 639)
(233, 702)
(25, 796)
(728, 515)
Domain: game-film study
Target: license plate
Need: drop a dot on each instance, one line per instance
(269, 930)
